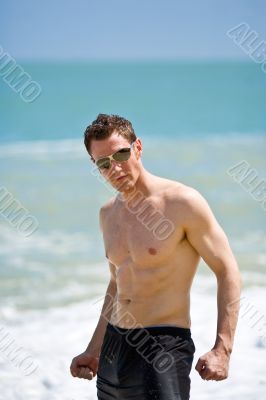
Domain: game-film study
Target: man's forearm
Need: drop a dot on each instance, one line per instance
(228, 298)
(94, 347)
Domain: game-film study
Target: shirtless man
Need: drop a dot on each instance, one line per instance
(152, 265)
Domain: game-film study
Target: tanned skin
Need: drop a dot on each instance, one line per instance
(151, 277)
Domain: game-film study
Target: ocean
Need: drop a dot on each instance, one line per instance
(198, 123)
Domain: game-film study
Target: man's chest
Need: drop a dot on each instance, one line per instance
(144, 238)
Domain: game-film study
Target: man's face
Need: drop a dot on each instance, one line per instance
(121, 175)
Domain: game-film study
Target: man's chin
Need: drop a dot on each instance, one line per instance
(123, 186)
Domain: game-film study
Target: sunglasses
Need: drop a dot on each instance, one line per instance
(119, 156)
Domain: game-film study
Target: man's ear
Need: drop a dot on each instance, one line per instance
(138, 145)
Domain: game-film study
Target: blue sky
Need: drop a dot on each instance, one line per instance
(126, 30)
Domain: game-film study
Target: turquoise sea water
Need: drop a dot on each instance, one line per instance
(173, 99)
(196, 121)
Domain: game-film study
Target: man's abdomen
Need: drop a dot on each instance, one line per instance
(164, 308)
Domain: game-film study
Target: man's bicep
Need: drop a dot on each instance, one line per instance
(206, 235)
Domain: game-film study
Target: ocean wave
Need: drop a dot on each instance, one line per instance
(43, 149)
(74, 148)
(53, 337)
(54, 242)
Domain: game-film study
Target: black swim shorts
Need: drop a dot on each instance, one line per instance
(145, 363)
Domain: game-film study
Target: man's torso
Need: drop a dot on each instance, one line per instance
(154, 272)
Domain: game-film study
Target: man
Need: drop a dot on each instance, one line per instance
(155, 230)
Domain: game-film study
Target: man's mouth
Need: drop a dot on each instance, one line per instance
(121, 177)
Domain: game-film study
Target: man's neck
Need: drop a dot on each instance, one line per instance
(143, 186)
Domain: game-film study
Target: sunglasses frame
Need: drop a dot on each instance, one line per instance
(111, 157)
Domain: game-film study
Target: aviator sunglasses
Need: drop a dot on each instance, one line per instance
(119, 156)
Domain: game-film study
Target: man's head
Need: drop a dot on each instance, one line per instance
(104, 126)
(106, 136)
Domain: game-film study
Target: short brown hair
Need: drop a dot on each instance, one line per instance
(104, 126)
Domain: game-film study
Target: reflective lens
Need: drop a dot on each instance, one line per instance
(103, 163)
(120, 156)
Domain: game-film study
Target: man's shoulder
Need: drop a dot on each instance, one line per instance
(104, 210)
(185, 199)
(106, 207)
(182, 193)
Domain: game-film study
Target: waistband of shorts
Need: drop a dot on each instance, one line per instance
(184, 333)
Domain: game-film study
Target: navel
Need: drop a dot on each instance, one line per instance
(126, 301)
(152, 251)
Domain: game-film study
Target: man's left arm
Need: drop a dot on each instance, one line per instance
(209, 240)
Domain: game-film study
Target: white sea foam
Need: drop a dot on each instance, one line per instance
(43, 149)
(74, 148)
(54, 337)
(55, 242)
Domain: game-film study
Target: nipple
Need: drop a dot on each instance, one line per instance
(152, 251)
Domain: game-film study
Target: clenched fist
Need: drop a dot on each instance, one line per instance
(213, 365)
(85, 366)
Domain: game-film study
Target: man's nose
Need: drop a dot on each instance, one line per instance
(115, 169)
(116, 166)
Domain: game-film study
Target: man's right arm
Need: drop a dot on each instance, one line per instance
(94, 347)
(85, 365)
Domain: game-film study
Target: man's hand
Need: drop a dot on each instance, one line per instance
(84, 366)
(213, 365)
